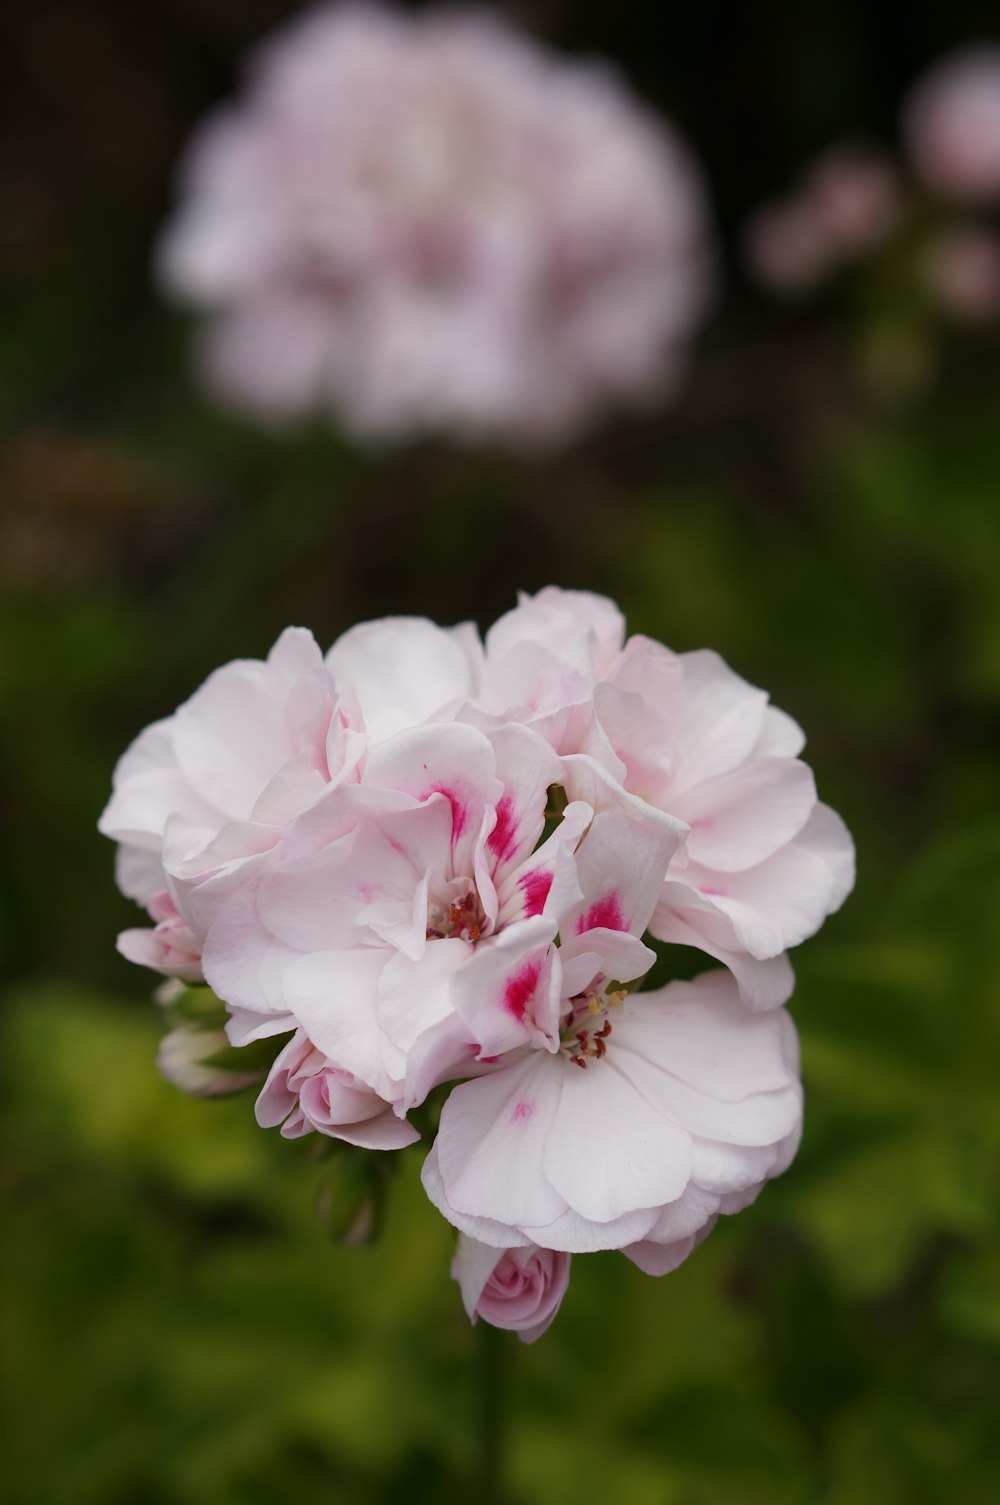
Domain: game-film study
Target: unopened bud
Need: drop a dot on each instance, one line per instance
(200, 1060)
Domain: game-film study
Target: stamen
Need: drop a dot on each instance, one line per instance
(589, 1043)
(463, 918)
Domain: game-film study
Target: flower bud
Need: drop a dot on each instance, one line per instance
(199, 1060)
(517, 1289)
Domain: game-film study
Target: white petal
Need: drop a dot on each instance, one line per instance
(583, 629)
(762, 984)
(780, 736)
(739, 818)
(405, 670)
(609, 1151)
(486, 1230)
(585, 779)
(721, 720)
(699, 1032)
(414, 995)
(572, 1233)
(491, 1143)
(761, 1119)
(333, 995)
(827, 836)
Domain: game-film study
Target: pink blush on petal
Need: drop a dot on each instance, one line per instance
(535, 887)
(522, 1112)
(519, 989)
(503, 838)
(605, 914)
(459, 811)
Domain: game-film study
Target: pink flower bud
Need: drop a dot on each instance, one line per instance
(520, 1290)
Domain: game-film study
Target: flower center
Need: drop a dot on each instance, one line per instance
(462, 916)
(586, 1028)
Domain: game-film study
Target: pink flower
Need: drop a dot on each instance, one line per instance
(690, 1106)
(641, 728)
(305, 1092)
(520, 1290)
(951, 123)
(430, 222)
(962, 273)
(849, 202)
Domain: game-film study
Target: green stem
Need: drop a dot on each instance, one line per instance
(492, 1356)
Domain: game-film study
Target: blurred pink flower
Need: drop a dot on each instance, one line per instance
(430, 222)
(849, 202)
(962, 272)
(520, 1290)
(951, 124)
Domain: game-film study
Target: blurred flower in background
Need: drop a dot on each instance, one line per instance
(951, 125)
(962, 271)
(848, 203)
(891, 233)
(431, 223)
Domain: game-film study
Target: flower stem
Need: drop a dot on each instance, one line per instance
(492, 1360)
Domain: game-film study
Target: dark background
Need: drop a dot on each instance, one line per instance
(820, 505)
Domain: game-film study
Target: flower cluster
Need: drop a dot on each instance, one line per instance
(855, 200)
(428, 222)
(428, 867)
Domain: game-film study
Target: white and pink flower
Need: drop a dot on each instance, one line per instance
(430, 222)
(432, 862)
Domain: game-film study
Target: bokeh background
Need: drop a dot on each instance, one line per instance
(821, 504)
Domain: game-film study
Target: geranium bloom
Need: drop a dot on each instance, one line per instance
(517, 1289)
(951, 122)
(427, 221)
(690, 1105)
(431, 862)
